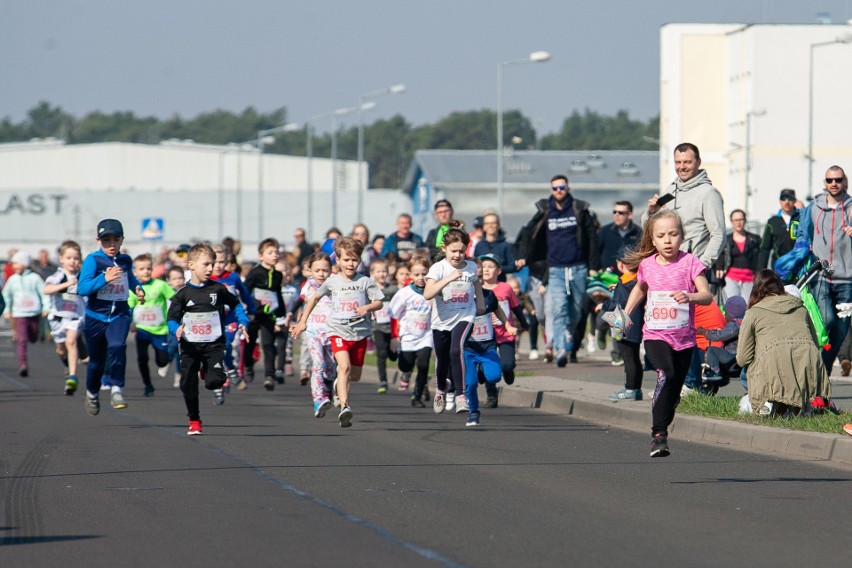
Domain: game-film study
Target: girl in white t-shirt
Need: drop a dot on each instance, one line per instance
(457, 293)
(322, 360)
(670, 281)
(411, 323)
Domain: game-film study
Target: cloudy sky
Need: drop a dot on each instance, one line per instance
(183, 57)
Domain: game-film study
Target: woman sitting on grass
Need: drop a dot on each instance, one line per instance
(778, 343)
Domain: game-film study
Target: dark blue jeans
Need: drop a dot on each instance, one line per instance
(107, 352)
(827, 296)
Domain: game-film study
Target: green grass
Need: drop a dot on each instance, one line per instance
(727, 408)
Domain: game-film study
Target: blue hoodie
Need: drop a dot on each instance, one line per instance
(107, 302)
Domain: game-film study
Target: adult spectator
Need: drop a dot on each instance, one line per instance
(43, 265)
(698, 203)
(738, 262)
(435, 238)
(475, 235)
(622, 232)
(303, 247)
(494, 242)
(562, 233)
(828, 219)
(779, 234)
(402, 242)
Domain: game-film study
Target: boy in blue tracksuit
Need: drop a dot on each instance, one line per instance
(107, 279)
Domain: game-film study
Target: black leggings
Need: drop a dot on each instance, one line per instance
(382, 341)
(281, 339)
(449, 356)
(533, 331)
(420, 358)
(671, 367)
(160, 357)
(632, 364)
(265, 327)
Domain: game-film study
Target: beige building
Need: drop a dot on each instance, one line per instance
(742, 94)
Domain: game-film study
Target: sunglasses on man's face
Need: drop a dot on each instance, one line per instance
(834, 180)
(558, 187)
(788, 198)
(617, 212)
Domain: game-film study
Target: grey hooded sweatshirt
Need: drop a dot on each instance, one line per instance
(828, 239)
(700, 207)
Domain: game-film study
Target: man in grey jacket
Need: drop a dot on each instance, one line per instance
(698, 203)
(829, 231)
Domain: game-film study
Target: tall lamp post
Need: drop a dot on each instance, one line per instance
(748, 190)
(266, 137)
(534, 57)
(842, 39)
(362, 99)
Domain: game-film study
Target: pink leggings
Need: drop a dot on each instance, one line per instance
(322, 365)
(27, 330)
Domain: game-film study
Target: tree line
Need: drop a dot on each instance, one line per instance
(389, 144)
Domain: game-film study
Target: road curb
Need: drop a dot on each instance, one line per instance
(811, 445)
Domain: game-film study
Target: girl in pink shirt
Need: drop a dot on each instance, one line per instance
(670, 281)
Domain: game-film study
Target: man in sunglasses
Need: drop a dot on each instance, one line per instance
(779, 234)
(622, 232)
(827, 225)
(699, 204)
(560, 245)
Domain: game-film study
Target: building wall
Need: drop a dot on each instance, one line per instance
(714, 75)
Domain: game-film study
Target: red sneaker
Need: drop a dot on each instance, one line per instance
(194, 428)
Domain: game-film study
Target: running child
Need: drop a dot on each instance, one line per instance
(235, 286)
(304, 353)
(382, 323)
(67, 310)
(284, 347)
(410, 328)
(315, 340)
(481, 352)
(670, 281)
(149, 321)
(107, 279)
(25, 306)
(176, 279)
(457, 291)
(510, 305)
(264, 284)
(197, 319)
(350, 324)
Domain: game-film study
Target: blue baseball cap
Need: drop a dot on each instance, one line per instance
(110, 227)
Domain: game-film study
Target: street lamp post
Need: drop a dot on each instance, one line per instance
(534, 57)
(362, 99)
(266, 137)
(842, 39)
(748, 190)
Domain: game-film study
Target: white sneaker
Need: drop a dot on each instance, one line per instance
(163, 371)
(176, 384)
(765, 410)
(533, 355)
(451, 401)
(590, 344)
(334, 397)
(438, 404)
(461, 404)
(684, 391)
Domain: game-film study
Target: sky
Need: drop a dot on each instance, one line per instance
(184, 57)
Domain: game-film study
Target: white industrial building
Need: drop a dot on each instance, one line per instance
(742, 94)
(50, 191)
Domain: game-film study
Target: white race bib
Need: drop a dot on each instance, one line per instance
(345, 302)
(319, 316)
(482, 329)
(202, 327)
(663, 312)
(29, 302)
(116, 290)
(266, 298)
(150, 316)
(416, 323)
(457, 295)
(382, 315)
(68, 303)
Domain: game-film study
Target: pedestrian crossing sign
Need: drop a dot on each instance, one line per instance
(152, 229)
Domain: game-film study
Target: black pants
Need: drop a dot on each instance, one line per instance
(160, 357)
(383, 353)
(671, 367)
(507, 366)
(281, 339)
(265, 328)
(195, 357)
(420, 358)
(632, 364)
(449, 356)
(533, 321)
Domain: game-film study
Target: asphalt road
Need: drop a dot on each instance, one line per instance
(269, 485)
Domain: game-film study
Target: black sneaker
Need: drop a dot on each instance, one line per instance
(659, 446)
(416, 402)
(562, 359)
(269, 383)
(490, 402)
(573, 358)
